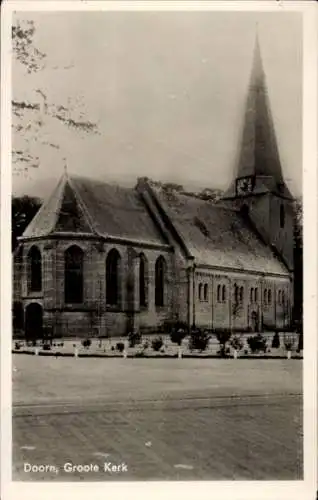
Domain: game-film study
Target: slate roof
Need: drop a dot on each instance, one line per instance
(216, 235)
(117, 211)
(99, 208)
(45, 219)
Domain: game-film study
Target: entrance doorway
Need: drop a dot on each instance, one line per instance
(33, 321)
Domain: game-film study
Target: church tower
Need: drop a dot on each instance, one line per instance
(259, 189)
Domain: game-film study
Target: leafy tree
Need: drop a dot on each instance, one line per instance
(23, 210)
(34, 116)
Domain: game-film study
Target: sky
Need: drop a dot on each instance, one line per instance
(167, 90)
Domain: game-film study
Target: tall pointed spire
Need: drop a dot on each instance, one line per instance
(257, 80)
(258, 155)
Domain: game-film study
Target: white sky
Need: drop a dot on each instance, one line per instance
(168, 91)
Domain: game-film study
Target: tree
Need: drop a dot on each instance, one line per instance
(23, 210)
(33, 116)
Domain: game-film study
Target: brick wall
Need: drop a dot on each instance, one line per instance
(241, 315)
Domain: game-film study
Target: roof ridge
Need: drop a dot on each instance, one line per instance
(83, 207)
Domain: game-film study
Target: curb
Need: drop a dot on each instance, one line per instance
(163, 356)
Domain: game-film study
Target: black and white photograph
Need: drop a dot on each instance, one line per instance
(157, 298)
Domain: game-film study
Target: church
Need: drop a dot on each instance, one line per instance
(99, 259)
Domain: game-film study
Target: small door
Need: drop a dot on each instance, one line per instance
(33, 321)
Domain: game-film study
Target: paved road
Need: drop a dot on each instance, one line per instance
(181, 437)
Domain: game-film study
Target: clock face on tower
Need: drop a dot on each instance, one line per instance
(244, 185)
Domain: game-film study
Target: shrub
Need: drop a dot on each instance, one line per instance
(134, 338)
(289, 342)
(112, 348)
(120, 346)
(157, 344)
(145, 345)
(276, 341)
(223, 338)
(17, 345)
(257, 343)
(178, 330)
(237, 343)
(86, 342)
(140, 354)
(199, 339)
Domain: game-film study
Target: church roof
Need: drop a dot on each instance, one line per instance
(258, 154)
(93, 207)
(216, 235)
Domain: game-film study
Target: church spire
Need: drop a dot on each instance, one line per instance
(258, 152)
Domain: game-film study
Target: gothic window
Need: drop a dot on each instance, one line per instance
(256, 294)
(143, 280)
(73, 277)
(242, 294)
(113, 276)
(200, 291)
(160, 271)
(283, 297)
(223, 293)
(265, 296)
(269, 297)
(205, 292)
(34, 270)
(219, 293)
(252, 295)
(282, 216)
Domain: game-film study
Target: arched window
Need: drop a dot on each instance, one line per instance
(73, 276)
(283, 297)
(143, 280)
(256, 294)
(34, 270)
(205, 292)
(236, 293)
(279, 297)
(282, 216)
(242, 294)
(219, 293)
(113, 277)
(200, 291)
(269, 297)
(265, 296)
(223, 293)
(160, 271)
(252, 295)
